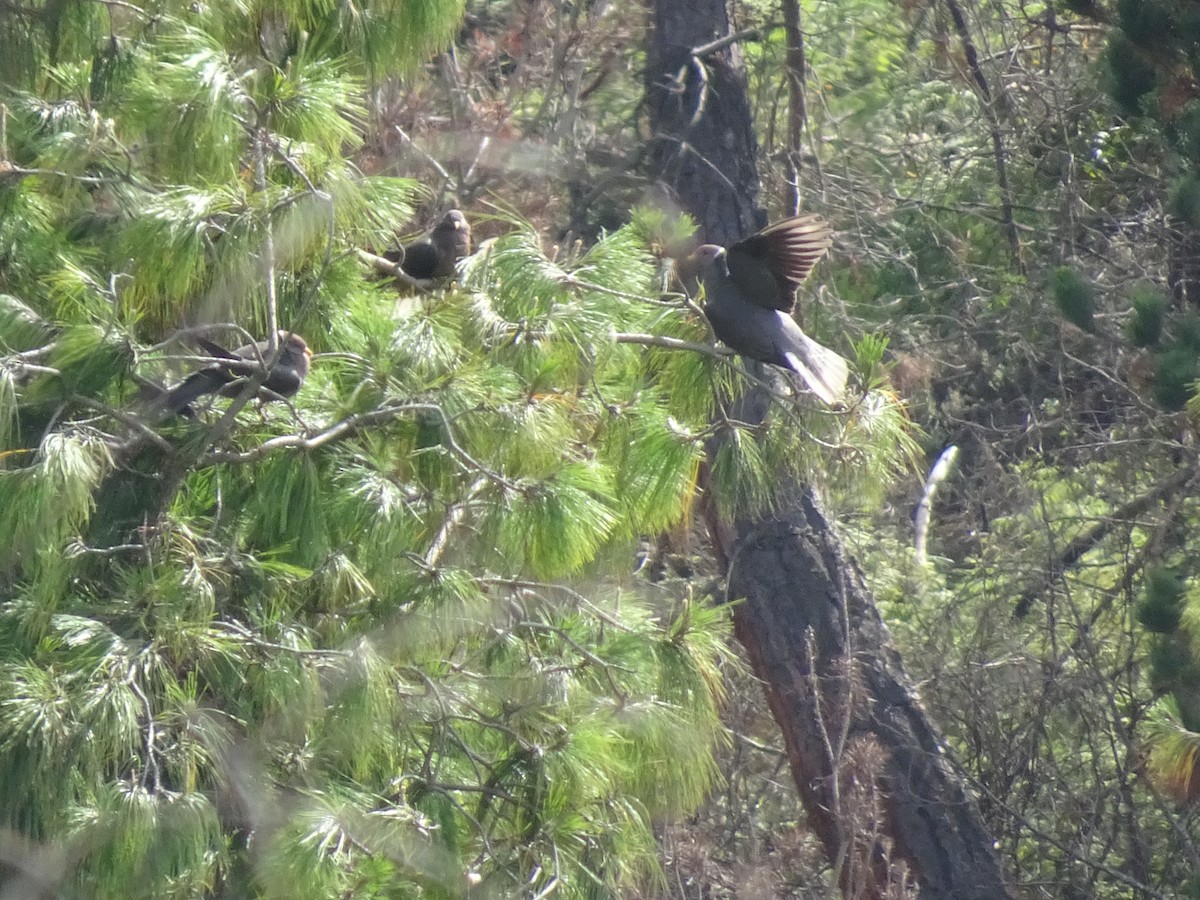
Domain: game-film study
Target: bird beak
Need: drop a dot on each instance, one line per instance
(308, 352)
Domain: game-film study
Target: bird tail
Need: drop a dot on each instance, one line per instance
(180, 398)
(823, 370)
(212, 348)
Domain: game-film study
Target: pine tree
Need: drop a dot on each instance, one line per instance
(368, 640)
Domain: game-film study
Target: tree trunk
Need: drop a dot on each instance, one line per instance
(872, 776)
(703, 148)
(838, 691)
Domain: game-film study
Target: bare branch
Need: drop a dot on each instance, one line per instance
(387, 267)
(746, 34)
(352, 425)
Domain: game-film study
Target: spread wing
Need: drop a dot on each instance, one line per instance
(768, 266)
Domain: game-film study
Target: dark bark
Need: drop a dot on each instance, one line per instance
(869, 766)
(703, 148)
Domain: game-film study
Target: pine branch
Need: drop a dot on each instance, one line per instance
(204, 330)
(260, 184)
(746, 34)
(520, 584)
(669, 343)
(454, 517)
(726, 356)
(352, 425)
(128, 419)
(438, 167)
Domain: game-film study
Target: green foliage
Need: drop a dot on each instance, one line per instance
(1149, 313)
(1185, 131)
(1169, 660)
(868, 358)
(1175, 372)
(1185, 200)
(378, 640)
(1130, 76)
(1161, 608)
(1145, 22)
(280, 628)
(1074, 295)
(343, 662)
(1177, 366)
(20, 327)
(1175, 750)
(902, 151)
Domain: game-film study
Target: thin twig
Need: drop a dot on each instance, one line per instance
(205, 330)
(438, 167)
(151, 754)
(516, 584)
(129, 419)
(670, 343)
(572, 281)
(260, 184)
(1075, 550)
(723, 355)
(746, 34)
(989, 112)
(82, 179)
(330, 223)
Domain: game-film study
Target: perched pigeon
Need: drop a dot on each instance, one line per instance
(750, 289)
(435, 256)
(228, 377)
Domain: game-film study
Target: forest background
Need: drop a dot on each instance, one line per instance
(388, 639)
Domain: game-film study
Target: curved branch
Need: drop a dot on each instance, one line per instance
(746, 34)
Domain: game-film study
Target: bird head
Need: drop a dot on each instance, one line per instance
(710, 258)
(452, 237)
(453, 220)
(292, 342)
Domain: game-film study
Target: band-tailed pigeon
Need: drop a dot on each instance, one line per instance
(750, 289)
(229, 376)
(436, 255)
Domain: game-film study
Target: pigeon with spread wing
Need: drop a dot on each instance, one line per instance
(750, 290)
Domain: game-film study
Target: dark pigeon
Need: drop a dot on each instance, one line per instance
(750, 289)
(436, 255)
(229, 376)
